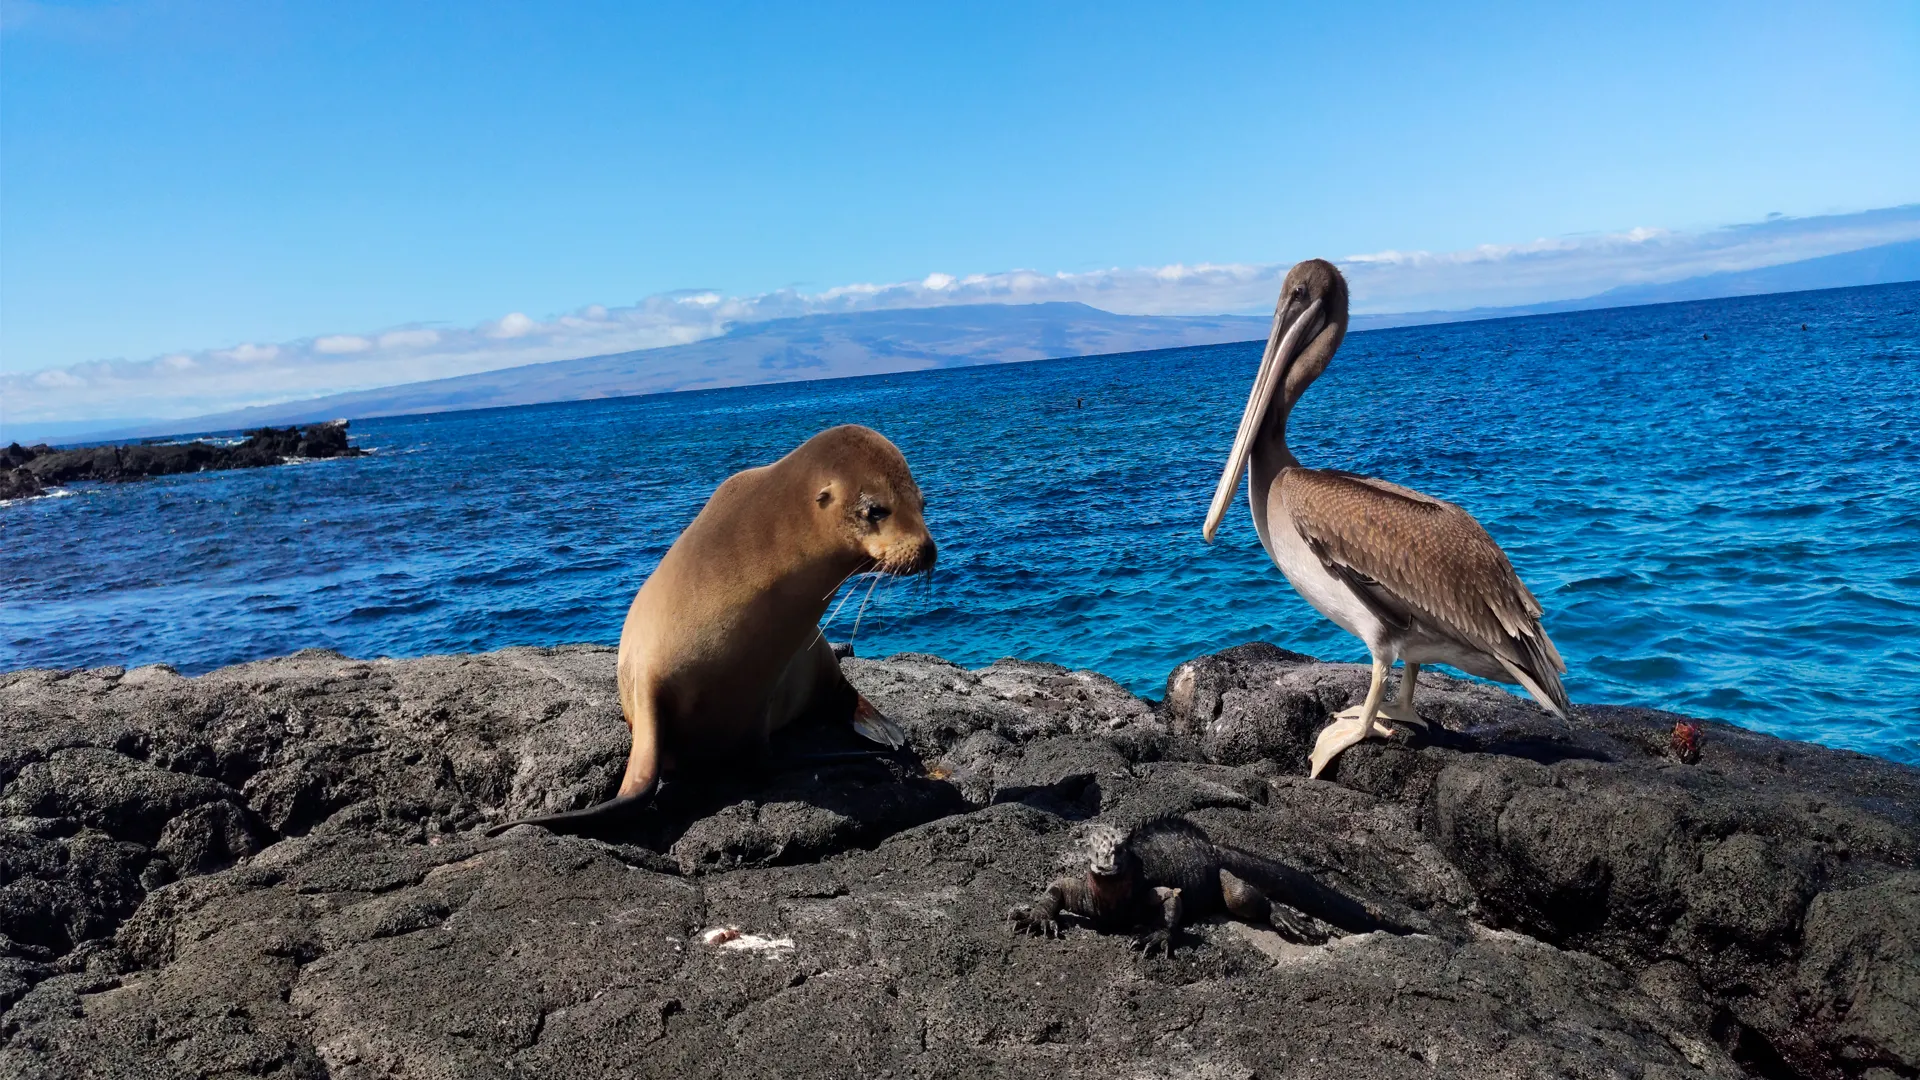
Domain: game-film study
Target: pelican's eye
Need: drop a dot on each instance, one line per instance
(1300, 294)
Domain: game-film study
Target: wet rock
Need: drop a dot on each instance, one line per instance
(279, 868)
(18, 483)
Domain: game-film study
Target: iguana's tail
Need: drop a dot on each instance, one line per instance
(1301, 891)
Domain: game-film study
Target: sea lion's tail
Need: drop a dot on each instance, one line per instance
(619, 810)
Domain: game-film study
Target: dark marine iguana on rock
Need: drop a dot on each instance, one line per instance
(1167, 871)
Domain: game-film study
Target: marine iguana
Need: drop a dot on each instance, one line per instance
(1167, 871)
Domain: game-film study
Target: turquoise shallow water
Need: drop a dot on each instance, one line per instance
(1719, 510)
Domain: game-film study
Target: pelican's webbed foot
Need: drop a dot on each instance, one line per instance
(1334, 740)
(1399, 714)
(1351, 725)
(1352, 718)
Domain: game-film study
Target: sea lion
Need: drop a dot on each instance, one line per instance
(723, 645)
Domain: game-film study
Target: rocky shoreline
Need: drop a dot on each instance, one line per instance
(278, 869)
(28, 471)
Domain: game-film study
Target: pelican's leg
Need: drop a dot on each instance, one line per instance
(1401, 708)
(1351, 726)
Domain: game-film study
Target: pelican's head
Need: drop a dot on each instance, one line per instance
(1309, 320)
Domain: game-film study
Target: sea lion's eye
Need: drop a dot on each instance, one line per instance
(876, 514)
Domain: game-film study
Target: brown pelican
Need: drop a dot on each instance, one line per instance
(1415, 578)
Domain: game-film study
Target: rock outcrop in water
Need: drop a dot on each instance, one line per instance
(27, 471)
(277, 868)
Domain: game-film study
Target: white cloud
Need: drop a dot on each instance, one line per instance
(250, 353)
(1565, 268)
(189, 384)
(335, 344)
(513, 326)
(409, 339)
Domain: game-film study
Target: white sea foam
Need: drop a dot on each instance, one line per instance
(50, 493)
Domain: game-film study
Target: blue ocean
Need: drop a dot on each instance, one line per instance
(1718, 504)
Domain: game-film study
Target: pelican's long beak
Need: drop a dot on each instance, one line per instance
(1282, 344)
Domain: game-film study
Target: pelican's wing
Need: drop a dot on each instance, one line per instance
(1411, 557)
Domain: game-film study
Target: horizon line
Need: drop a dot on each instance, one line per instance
(139, 432)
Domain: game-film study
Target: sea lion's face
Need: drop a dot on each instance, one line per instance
(873, 503)
(889, 522)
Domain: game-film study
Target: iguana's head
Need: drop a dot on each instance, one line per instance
(1107, 854)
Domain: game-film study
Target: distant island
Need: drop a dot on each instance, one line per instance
(27, 471)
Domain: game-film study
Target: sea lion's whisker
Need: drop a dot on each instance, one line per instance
(863, 609)
(843, 600)
(862, 567)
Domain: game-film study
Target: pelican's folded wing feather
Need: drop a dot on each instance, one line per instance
(1414, 557)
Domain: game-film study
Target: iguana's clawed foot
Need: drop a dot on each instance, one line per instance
(1026, 920)
(1157, 939)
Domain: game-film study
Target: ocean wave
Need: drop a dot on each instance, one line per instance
(49, 493)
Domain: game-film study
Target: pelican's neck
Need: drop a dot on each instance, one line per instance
(1271, 443)
(1271, 455)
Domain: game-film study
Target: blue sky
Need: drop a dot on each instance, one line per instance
(178, 178)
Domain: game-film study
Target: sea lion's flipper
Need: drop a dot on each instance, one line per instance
(813, 684)
(874, 725)
(619, 810)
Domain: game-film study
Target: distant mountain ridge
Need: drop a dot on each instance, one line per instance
(877, 342)
(1886, 264)
(783, 350)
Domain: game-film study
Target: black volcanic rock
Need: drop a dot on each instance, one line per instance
(44, 466)
(279, 868)
(19, 484)
(16, 481)
(1719, 883)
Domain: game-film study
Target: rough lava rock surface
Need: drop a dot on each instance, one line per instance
(278, 869)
